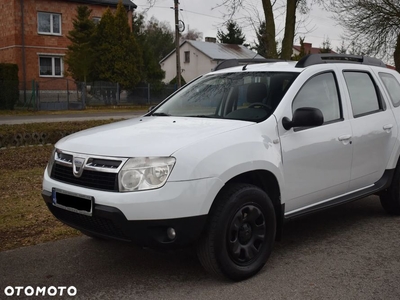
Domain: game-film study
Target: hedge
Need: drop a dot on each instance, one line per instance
(9, 90)
(42, 133)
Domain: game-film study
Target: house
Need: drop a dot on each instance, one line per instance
(308, 49)
(33, 35)
(202, 57)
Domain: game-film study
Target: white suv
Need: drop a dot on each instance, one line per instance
(231, 156)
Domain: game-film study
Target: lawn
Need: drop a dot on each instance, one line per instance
(24, 217)
(88, 110)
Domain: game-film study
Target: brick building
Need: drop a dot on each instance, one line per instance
(33, 34)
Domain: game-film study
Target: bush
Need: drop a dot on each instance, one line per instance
(9, 92)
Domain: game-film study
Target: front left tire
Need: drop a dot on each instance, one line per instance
(240, 233)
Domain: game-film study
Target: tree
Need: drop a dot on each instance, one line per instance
(79, 56)
(192, 35)
(292, 8)
(233, 36)
(302, 50)
(326, 46)
(373, 24)
(156, 41)
(342, 49)
(260, 45)
(118, 56)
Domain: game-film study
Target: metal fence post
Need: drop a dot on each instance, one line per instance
(36, 94)
(67, 94)
(83, 95)
(118, 93)
(148, 93)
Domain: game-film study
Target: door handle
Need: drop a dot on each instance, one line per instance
(345, 137)
(387, 127)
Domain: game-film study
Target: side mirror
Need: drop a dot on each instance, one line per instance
(151, 108)
(304, 117)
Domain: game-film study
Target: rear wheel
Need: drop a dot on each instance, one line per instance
(240, 233)
(390, 199)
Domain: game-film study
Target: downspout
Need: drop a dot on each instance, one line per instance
(23, 49)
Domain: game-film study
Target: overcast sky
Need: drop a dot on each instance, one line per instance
(204, 16)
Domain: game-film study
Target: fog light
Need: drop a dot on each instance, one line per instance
(171, 233)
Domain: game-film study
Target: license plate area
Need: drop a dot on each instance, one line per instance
(81, 204)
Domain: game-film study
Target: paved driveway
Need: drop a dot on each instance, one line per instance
(349, 252)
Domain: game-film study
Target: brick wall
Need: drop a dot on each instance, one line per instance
(35, 44)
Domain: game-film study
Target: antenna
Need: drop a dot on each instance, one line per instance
(245, 66)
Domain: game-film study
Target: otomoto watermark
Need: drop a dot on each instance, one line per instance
(30, 291)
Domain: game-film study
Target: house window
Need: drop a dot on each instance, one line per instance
(187, 56)
(49, 23)
(50, 66)
(96, 20)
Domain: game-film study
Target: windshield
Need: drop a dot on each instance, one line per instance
(248, 96)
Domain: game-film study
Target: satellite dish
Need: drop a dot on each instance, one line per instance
(181, 26)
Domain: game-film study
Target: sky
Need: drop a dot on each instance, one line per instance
(204, 16)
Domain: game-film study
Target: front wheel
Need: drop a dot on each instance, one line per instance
(240, 232)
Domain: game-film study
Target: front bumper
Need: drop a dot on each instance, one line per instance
(110, 222)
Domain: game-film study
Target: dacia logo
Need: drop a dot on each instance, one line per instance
(77, 166)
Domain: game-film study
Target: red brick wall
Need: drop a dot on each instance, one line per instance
(10, 32)
(8, 29)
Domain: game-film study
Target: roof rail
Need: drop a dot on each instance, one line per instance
(323, 58)
(229, 63)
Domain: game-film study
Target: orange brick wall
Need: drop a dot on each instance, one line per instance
(10, 32)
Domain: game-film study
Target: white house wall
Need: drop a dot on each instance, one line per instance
(199, 64)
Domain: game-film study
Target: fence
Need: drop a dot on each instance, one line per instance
(50, 94)
(105, 93)
(61, 94)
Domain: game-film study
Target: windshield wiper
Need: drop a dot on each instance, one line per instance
(203, 116)
(160, 114)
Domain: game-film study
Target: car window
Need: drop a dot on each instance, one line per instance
(320, 92)
(363, 94)
(248, 96)
(392, 86)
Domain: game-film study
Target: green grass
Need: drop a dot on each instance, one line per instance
(24, 217)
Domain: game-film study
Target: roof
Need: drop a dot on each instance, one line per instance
(311, 50)
(217, 51)
(106, 2)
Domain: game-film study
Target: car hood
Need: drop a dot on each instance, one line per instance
(146, 136)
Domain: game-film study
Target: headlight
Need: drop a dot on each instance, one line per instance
(51, 162)
(145, 173)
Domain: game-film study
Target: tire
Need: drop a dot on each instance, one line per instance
(390, 199)
(240, 233)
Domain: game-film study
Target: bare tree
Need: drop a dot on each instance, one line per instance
(192, 34)
(373, 23)
(292, 8)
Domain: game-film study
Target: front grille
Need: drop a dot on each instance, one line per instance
(90, 223)
(92, 179)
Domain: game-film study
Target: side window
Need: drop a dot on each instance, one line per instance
(392, 86)
(363, 94)
(320, 92)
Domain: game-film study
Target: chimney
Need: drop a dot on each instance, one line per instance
(307, 48)
(211, 39)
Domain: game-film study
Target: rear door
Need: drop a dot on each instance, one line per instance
(373, 124)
